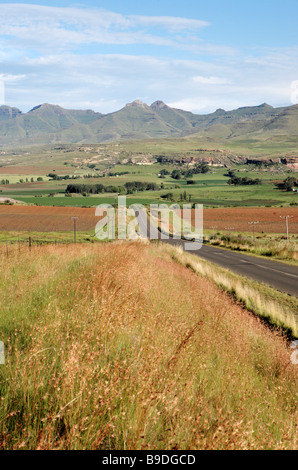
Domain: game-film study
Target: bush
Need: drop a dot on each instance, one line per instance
(169, 196)
(176, 175)
(238, 181)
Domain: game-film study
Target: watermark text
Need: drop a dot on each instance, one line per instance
(2, 353)
(294, 94)
(160, 222)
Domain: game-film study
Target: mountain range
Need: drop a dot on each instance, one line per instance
(48, 124)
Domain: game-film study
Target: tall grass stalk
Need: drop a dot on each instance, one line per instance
(116, 346)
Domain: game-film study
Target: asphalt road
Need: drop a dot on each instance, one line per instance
(280, 276)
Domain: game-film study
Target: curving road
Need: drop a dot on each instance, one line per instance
(280, 276)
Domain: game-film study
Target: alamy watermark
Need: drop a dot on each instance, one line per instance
(294, 356)
(160, 222)
(294, 94)
(2, 353)
(2, 92)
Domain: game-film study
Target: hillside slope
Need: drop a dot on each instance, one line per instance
(46, 124)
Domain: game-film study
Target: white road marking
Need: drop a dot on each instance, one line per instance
(276, 270)
(227, 255)
(265, 267)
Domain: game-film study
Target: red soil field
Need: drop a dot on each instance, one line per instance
(55, 219)
(46, 219)
(24, 186)
(32, 170)
(237, 219)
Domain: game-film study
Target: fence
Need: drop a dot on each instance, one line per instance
(19, 245)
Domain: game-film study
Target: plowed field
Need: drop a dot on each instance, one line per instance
(237, 219)
(46, 219)
(55, 219)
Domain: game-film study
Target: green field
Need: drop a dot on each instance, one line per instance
(136, 161)
(210, 190)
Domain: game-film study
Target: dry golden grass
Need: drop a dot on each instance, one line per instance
(118, 347)
(278, 249)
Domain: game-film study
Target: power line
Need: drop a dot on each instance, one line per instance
(254, 225)
(286, 218)
(75, 228)
(213, 228)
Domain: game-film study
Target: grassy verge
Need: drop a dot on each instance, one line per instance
(13, 238)
(275, 307)
(275, 247)
(98, 358)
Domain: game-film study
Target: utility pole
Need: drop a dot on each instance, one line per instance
(213, 228)
(75, 229)
(287, 217)
(229, 229)
(254, 225)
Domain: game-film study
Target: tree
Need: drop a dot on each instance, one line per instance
(176, 175)
(169, 196)
(53, 176)
(236, 180)
(289, 183)
(201, 168)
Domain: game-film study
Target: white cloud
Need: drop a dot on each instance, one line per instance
(47, 55)
(106, 82)
(7, 78)
(210, 80)
(41, 27)
(197, 105)
(168, 22)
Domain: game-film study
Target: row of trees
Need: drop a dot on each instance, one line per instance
(134, 186)
(243, 181)
(92, 189)
(55, 177)
(6, 182)
(184, 197)
(199, 168)
(128, 188)
(31, 180)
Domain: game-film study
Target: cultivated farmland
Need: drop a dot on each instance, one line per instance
(238, 218)
(55, 219)
(45, 219)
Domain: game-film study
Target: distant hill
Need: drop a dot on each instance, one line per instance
(47, 124)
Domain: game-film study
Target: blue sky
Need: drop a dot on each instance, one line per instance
(192, 54)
